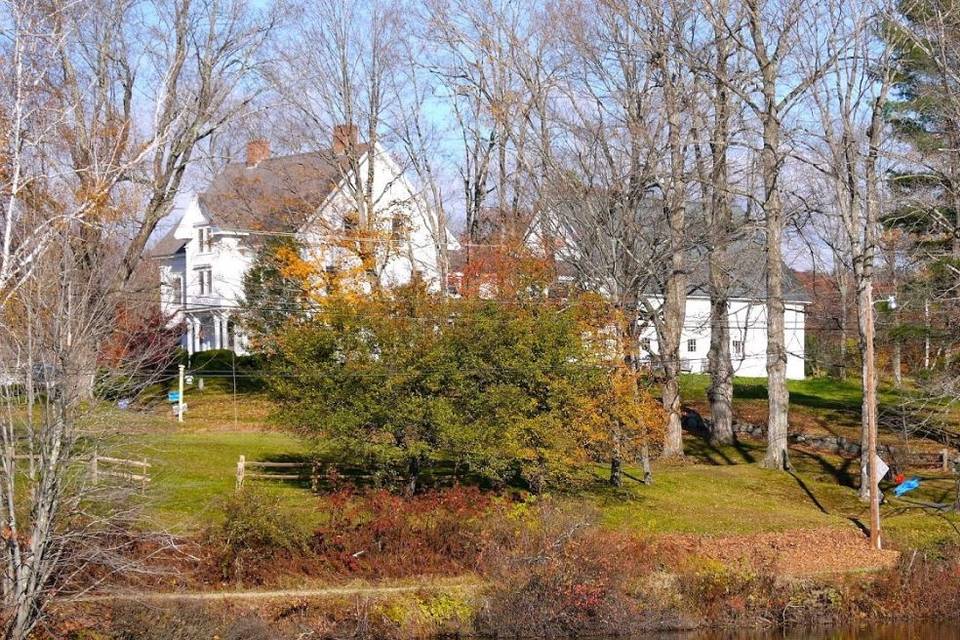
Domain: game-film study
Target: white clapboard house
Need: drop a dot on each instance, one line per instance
(310, 196)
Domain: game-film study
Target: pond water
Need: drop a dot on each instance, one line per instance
(924, 631)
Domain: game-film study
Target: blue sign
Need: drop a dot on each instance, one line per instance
(173, 396)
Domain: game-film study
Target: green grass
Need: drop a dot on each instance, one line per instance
(723, 491)
(717, 491)
(193, 471)
(819, 394)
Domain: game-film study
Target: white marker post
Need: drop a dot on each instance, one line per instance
(180, 397)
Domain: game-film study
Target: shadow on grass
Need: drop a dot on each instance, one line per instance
(810, 494)
(840, 471)
(705, 450)
(833, 399)
(326, 474)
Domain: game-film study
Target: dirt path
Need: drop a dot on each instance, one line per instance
(318, 593)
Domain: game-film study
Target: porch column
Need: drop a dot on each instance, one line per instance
(217, 331)
(197, 337)
(189, 323)
(225, 332)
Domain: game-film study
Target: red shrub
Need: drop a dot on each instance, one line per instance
(379, 534)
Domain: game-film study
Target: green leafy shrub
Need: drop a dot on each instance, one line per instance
(408, 382)
(256, 529)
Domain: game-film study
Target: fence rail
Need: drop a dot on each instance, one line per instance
(106, 466)
(248, 470)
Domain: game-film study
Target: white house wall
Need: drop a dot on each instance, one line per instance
(392, 194)
(228, 260)
(748, 327)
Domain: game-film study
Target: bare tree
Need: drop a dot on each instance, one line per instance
(772, 33)
(493, 73)
(131, 122)
(850, 100)
(718, 190)
(335, 78)
(618, 173)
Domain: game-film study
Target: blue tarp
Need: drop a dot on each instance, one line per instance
(905, 486)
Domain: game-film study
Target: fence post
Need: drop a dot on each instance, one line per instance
(94, 474)
(944, 460)
(241, 464)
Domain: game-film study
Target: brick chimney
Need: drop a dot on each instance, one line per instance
(258, 150)
(344, 138)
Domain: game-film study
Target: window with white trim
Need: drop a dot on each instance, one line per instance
(206, 281)
(738, 348)
(176, 290)
(691, 346)
(204, 240)
(645, 344)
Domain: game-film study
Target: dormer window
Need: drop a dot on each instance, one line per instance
(204, 240)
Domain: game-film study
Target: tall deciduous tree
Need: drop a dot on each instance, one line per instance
(850, 99)
(138, 87)
(774, 30)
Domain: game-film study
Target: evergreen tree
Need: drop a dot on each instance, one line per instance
(273, 290)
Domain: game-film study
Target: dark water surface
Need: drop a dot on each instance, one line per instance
(925, 631)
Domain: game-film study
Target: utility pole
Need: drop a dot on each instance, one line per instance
(180, 396)
(870, 398)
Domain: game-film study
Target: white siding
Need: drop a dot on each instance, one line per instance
(748, 327)
(207, 313)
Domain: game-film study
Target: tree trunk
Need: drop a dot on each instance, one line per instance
(672, 329)
(645, 463)
(616, 471)
(720, 393)
(842, 365)
(413, 476)
(864, 307)
(670, 396)
(778, 403)
(896, 364)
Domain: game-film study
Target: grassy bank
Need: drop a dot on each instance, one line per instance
(716, 540)
(715, 491)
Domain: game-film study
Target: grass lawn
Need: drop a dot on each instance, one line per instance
(193, 471)
(716, 491)
(818, 406)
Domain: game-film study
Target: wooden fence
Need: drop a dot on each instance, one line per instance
(105, 466)
(250, 470)
(133, 470)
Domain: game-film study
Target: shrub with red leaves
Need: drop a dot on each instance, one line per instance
(378, 534)
(563, 576)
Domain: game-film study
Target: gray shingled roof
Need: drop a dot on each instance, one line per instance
(167, 246)
(278, 194)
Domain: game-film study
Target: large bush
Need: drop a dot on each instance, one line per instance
(405, 382)
(256, 529)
